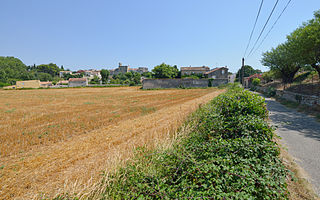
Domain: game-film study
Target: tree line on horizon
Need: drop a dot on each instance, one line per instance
(13, 69)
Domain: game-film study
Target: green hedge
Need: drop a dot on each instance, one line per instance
(229, 155)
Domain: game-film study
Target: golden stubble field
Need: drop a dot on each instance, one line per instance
(60, 140)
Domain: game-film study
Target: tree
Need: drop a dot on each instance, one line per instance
(147, 74)
(165, 71)
(44, 77)
(282, 61)
(67, 76)
(256, 82)
(104, 75)
(268, 76)
(305, 41)
(129, 78)
(95, 80)
(136, 78)
(13, 69)
(51, 69)
(248, 71)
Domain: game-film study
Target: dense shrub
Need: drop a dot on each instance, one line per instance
(229, 155)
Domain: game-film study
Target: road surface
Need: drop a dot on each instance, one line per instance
(301, 134)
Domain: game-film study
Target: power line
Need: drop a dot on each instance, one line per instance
(275, 5)
(254, 26)
(272, 26)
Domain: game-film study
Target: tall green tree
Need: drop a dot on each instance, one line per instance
(305, 41)
(248, 71)
(165, 71)
(282, 61)
(50, 68)
(104, 75)
(44, 76)
(13, 69)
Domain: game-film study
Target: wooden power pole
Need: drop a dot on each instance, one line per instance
(242, 72)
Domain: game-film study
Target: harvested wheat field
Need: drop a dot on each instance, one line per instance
(61, 140)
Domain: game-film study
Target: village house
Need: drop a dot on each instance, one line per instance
(62, 73)
(139, 70)
(217, 73)
(78, 82)
(194, 70)
(248, 80)
(90, 74)
(126, 68)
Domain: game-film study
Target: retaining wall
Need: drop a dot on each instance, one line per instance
(296, 97)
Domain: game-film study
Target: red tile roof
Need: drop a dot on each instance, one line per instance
(255, 76)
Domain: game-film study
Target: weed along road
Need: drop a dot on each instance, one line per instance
(301, 134)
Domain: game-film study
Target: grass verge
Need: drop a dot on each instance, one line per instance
(229, 153)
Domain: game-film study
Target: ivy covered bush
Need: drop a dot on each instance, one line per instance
(229, 155)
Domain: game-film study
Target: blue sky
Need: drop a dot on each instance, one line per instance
(82, 34)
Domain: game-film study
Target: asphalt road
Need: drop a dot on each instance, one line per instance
(301, 134)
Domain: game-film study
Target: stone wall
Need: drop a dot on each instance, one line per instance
(176, 83)
(300, 98)
(295, 97)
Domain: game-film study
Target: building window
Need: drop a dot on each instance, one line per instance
(222, 71)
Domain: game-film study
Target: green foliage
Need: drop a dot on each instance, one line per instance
(271, 92)
(305, 41)
(67, 76)
(3, 84)
(51, 69)
(248, 71)
(256, 82)
(147, 74)
(13, 69)
(44, 76)
(268, 76)
(104, 75)
(300, 50)
(193, 76)
(129, 78)
(95, 80)
(301, 77)
(165, 71)
(283, 61)
(228, 155)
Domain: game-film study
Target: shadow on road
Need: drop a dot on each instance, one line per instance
(290, 119)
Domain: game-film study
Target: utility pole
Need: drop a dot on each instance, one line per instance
(242, 72)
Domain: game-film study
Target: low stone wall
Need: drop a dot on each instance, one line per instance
(176, 83)
(295, 97)
(300, 98)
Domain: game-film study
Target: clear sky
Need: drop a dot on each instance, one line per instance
(83, 34)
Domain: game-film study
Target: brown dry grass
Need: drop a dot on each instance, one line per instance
(58, 141)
